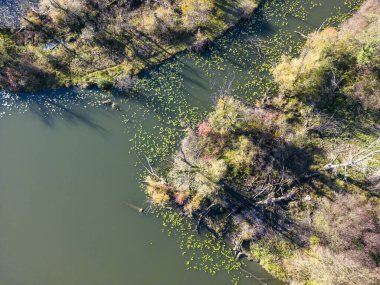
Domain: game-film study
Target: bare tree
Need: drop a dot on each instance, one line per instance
(359, 160)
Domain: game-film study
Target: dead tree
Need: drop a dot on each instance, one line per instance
(358, 160)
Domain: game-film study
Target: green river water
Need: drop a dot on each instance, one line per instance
(68, 166)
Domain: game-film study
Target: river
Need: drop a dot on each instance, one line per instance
(70, 167)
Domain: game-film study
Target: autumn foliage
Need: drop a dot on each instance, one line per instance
(338, 61)
(255, 173)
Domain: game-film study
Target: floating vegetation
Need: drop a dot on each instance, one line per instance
(244, 57)
(216, 255)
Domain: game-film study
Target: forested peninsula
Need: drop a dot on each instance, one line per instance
(88, 43)
(293, 180)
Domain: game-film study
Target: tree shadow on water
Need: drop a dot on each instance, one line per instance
(62, 104)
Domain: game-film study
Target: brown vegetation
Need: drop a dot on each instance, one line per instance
(293, 180)
(349, 248)
(93, 42)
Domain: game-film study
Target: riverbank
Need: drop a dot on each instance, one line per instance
(280, 177)
(106, 44)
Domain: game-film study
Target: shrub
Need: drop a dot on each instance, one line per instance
(345, 221)
(87, 34)
(149, 22)
(324, 267)
(195, 13)
(63, 12)
(240, 156)
(204, 129)
(365, 90)
(104, 83)
(201, 41)
(369, 55)
(166, 19)
(180, 198)
(308, 73)
(247, 7)
(7, 50)
(158, 191)
(194, 204)
(334, 61)
(226, 115)
(124, 83)
(214, 169)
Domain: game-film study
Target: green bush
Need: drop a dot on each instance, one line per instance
(337, 61)
(240, 156)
